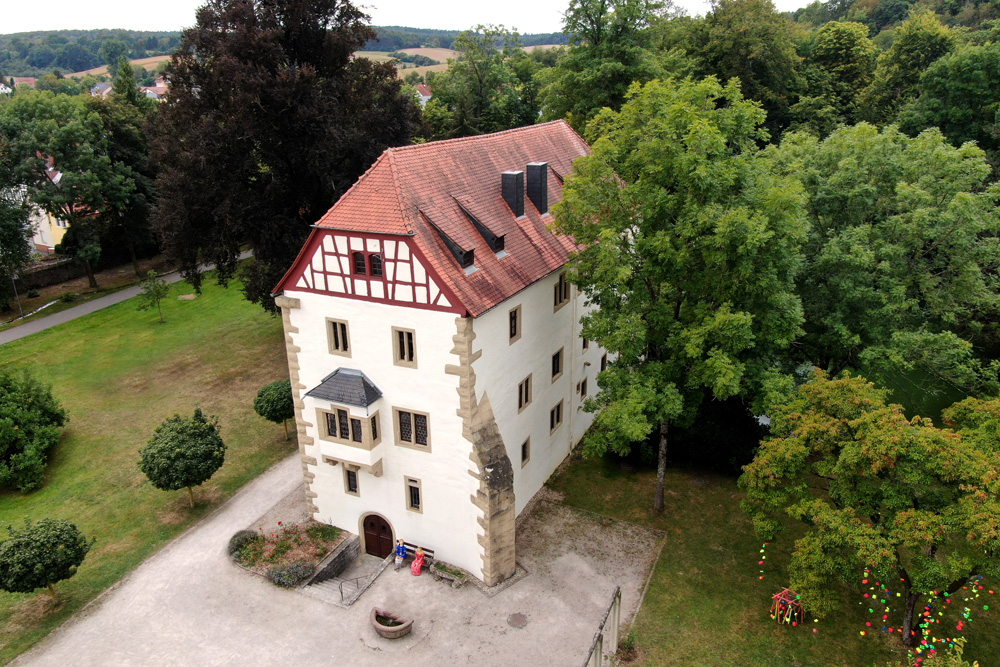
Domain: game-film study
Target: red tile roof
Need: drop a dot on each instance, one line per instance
(411, 185)
(423, 89)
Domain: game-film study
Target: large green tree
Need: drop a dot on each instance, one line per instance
(481, 91)
(40, 555)
(61, 152)
(15, 230)
(609, 50)
(902, 255)
(690, 248)
(913, 503)
(751, 41)
(959, 93)
(845, 59)
(919, 41)
(270, 119)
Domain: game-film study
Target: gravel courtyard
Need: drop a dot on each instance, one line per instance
(189, 605)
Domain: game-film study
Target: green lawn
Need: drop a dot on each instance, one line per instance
(120, 373)
(705, 604)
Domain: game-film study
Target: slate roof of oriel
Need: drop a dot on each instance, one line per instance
(412, 187)
(347, 386)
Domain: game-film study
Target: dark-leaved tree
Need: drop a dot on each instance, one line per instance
(41, 554)
(31, 421)
(183, 453)
(274, 403)
(269, 120)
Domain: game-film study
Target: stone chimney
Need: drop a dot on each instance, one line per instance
(512, 187)
(538, 185)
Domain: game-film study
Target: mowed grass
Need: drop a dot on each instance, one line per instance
(705, 604)
(120, 374)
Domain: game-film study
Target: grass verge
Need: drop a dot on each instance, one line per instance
(120, 373)
(706, 605)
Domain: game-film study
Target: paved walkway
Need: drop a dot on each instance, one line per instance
(49, 321)
(189, 605)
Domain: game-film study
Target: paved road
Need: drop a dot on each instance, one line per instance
(49, 321)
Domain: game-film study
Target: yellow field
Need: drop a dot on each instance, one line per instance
(531, 48)
(441, 55)
(148, 63)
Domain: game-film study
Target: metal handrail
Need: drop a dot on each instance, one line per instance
(356, 585)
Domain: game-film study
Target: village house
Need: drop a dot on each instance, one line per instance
(434, 345)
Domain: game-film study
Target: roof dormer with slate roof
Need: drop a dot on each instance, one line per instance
(429, 225)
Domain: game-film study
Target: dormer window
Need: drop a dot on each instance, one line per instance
(359, 263)
(494, 241)
(375, 262)
(468, 258)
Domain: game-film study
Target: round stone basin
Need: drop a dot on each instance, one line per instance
(388, 624)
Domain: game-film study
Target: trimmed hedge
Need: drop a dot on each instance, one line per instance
(290, 575)
(240, 539)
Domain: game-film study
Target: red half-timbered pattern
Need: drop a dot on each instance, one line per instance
(405, 279)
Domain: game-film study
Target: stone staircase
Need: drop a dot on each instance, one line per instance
(356, 578)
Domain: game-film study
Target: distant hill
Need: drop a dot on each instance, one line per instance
(397, 38)
(38, 53)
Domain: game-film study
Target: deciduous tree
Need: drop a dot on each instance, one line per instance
(689, 251)
(913, 503)
(269, 120)
(274, 403)
(31, 422)
(183, 453)
(40, 555)
(153, 290)
(901, 256)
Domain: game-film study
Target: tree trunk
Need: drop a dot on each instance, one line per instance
(661, 468)
(159, 310)
(52, 592)
(190, 497)
(284, 423)
(90, 273)
(910, 636)
(135, 262)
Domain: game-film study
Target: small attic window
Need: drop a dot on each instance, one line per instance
(465, 258)
(495, 242)
(468, 258)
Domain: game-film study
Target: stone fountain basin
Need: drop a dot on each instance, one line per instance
(389, 625)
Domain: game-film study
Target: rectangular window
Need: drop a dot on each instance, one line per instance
(555, 417)
(515, 324)
(359, 263)
(337, 340)
(413, 499)
(560, 292)
(338, 425)
(375, 262)
(604, 362)
(583, 388)
(405, 353)
(351, 481)
(524, 393)
(525, 451)
(586, 344)
(345, 428)
(557, 364)
(413, 429)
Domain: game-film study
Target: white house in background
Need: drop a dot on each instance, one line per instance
(425, 93)
(434, 345)
(5, 89)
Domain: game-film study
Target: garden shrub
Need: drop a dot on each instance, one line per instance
(33, 293)
(290, 575)
(240, 539)
(323, 531)
(31, 421)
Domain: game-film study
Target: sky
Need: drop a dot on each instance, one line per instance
(528, 16)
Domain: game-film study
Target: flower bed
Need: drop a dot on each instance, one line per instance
(288, 556)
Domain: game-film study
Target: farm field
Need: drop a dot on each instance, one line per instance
(120, 373)
(148, 63)
(705, 604)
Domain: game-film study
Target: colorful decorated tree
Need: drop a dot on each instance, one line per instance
(915, 504)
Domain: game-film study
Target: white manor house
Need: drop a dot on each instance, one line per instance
(434, 346)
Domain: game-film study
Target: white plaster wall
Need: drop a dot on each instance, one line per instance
(448, 523)
(503, 365)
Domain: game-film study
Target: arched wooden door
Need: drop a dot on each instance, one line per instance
(378, 536)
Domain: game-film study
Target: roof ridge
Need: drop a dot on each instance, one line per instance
(398, 190)
(443, 142)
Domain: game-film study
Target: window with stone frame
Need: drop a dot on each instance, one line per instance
(412, 429)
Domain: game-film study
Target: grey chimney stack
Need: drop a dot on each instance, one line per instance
(512, 187)
(538, 185)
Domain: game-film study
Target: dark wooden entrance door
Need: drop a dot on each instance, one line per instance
(378, 536)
